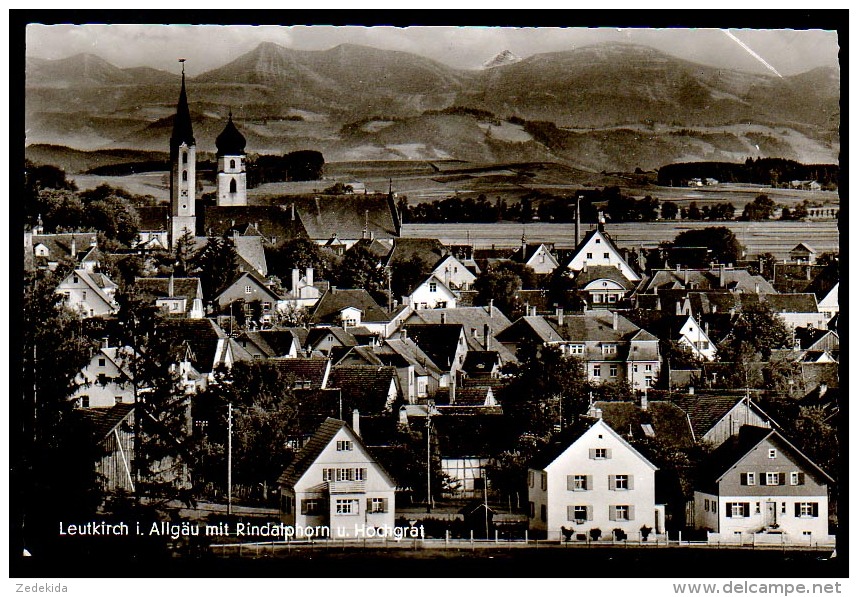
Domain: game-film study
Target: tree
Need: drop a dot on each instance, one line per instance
(406, 274)
(298, 253)
(339, 188)
(184, 252)
(360, 269)
(759, 327)
(694, 211)
(304, 165)
(669, 210)
(719, 244)
(217, 266)
(761, 208)
(115, 217)
(500, 286)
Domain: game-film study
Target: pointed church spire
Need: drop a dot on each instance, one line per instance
(183, 131)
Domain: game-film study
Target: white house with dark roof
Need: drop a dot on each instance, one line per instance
(798, 309)
(106, 380)
(90, 294)
(602, 286)
(335, 483)
(537, 256)
(689, 333)
(589, 477)
(79, 248)
(177, 297)
(454, 273)
(352, 307)
(829, 304)
(803, 253)
(431, 293)
(758, 483)
(597, 248)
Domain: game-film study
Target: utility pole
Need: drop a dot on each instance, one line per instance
(138, 414)
(486, 499)
(229, 460)
(430, 404)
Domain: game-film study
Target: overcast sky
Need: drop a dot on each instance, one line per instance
(784, 51)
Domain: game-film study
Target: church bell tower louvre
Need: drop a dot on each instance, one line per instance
(231, 174)
(183, 170)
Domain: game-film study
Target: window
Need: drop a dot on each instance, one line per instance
(648, 381)
(266, 306)
(345, 474)
(184, 176)
(706, 505)
(738, 509)
(75, 279)
(344, 446)
(600, 453)
(232, 186)
(530, 480)
(543, 513)
(184, 158)
(612, 298)
(377, 505)
(103, 362)
(577, 483)
(597, 298)
(327, 474)
(347, 507)
(598, 241)
(83, 401)
(622, 513)
(433, 287)
(621, 482)
(597, 371)
(544, 481)
(773, 453)
(532, 506)
(576, 349)
(589, 255)
(312, 507)
(360, 474)
(612, 370)
(793, 478)
(609, 349)
(83, 296)
(773, 479)
(647, 367)
(702, 345)
(635, 368)
(232, 163)
(749, 479)
(248, 289)
(807, 509)
(783, 507)
(757, 509)
(607, 256)
(579, 514)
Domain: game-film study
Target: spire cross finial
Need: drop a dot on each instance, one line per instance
(182, 60)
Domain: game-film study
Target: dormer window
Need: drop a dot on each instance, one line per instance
(433, 287)
(609, 349)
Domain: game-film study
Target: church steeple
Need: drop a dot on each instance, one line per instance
(231, 174)
(183, 169)
(183, 130)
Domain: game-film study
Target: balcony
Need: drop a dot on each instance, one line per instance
(347, 486)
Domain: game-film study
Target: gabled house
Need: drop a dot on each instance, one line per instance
(454, 273)
(176, 297)
(803, 253)
(718, 277)
(306, 373)
(107, 380)
(90, 294)
(366, 388)
(797, 309)
(589, 477)
(537, 256)
(686, 330)
(419, 377)
(324, 339)
(303, 292)
(829, 300)
(266, 344)
(251, 253)
(602, 286)
(597, 248)
(334, 482)
(760, 483)
(431, 293)
(202, 344)
(810, 338)
(716, 418)
(351, 308)
(257, 299)
(81, 249)
(481, 324)
(445, 345)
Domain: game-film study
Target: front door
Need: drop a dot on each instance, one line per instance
(771, 513)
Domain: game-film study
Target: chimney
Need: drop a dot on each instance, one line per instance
(403, 334)
(577, 219)
(678, 267)
(808, 272)
(333, 290)
(491, 307)
(170, 287)
(403, 415)
(487, 336)
(685, 278)
(533, 311)
(293, 212)
(309, 275)
(678, 308)
(722, 277)
(706, 328)
(585, 266)
(616, 321)
(691, 390)
(644, 402)
(73, 249)
(559, 315)
(296, 275)
(757, 287)
(356, 422)
(105, 343)
(94, 241)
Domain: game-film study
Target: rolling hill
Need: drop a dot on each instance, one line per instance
(605, 107)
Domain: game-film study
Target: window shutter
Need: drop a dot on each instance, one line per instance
(589, 482)
(612, 482)
(746, 509)
(631, 481)
(592, 453)
(589, 512)
(815, 509)
(570, 512)
(801, 478)
(303, 506)
(607, 453)
(743, 479)
(384, 505)
(631, 512)
(570, 482)
(612, 513)
(763, 477)
(729, 512)
(369, 504)
(797, 509)
(781, 478)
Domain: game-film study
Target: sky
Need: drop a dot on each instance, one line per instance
(766, 51)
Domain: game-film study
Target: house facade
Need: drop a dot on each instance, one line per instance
(106, 380)
(454, 274)
(334, 482)
(692, 335)
(90, 294)
(432, 293)
(598, 249)
(759, 483)
(595, 479)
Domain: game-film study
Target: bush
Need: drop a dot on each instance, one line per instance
(645, 531)
(595, 534)
(620, 534)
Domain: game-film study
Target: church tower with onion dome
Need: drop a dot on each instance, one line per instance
(231, 174)
(183, 170)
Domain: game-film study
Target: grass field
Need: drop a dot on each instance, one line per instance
(758, 237)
